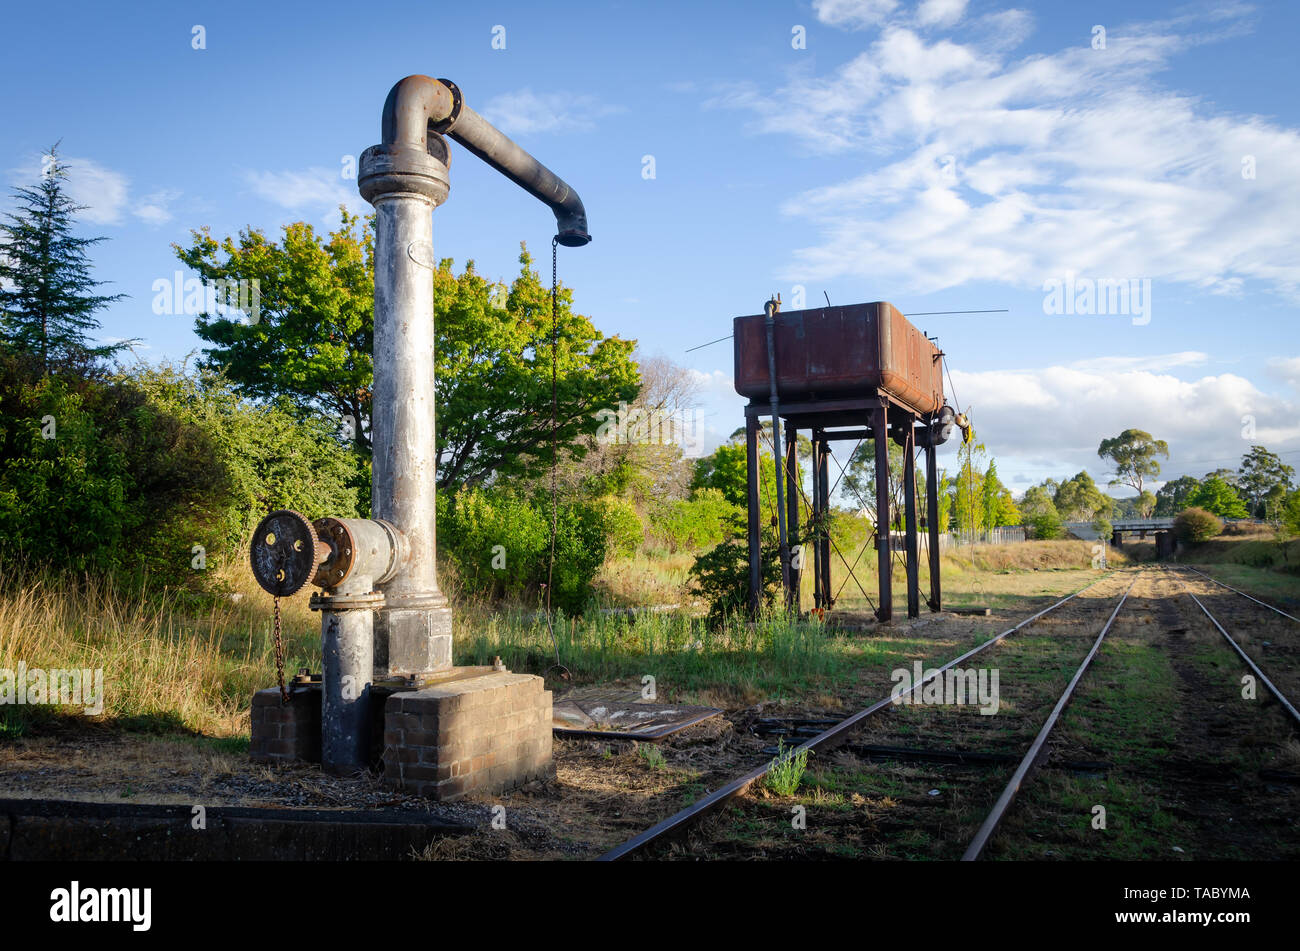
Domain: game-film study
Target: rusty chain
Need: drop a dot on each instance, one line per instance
(279, 654)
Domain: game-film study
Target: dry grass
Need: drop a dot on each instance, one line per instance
(171, 659)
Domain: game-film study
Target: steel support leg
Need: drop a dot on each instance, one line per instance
(880, 425)
(792, 480)
(932, 524)
(913, 555)
(754, 530)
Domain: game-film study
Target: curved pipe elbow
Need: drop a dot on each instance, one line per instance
(414, 104)
(418, 106)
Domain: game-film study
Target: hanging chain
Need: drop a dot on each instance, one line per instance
(555, 458)
(279, 654)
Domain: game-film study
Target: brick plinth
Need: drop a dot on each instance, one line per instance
(285, 733)
(484, 734)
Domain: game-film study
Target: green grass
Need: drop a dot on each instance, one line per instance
(787, 769)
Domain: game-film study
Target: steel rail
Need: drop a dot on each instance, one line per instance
(696, 810)
(1281, 698)
(1031, 758)
(1242, 593)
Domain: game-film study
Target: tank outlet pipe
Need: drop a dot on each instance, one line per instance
(770, 310)
(405, 178)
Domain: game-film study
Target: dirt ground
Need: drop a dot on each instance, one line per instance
(1185, 762)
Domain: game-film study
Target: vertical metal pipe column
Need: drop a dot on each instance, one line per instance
(815, 521)
(880, 426)
(913, 555)
(405, 184)
(824, 467)
(751, 498)
(792, 479)
(782, 539)
(347, 666)
(932, 519)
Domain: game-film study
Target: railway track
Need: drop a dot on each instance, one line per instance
(1029, 664)
(1278, 693)
(840, 732)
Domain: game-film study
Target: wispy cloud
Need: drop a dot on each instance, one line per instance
(103, 193)
(981, 166)
(853, 14)
(525, 112)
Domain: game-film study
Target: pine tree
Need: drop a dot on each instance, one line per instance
(47, 299)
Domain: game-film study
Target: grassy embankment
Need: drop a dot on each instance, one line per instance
(177, 662)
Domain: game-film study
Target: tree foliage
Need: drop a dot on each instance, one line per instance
(313, 341)
(1216, 496)
(47, 294)
(131, 473)
(1264, 481)
(314, 335)
(1133, 453)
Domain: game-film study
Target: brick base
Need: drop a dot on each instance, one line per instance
(481, 735)
(285, 733)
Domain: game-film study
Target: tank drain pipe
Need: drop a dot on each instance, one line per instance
(770, 310)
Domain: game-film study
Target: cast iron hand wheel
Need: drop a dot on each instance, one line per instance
(284, 553)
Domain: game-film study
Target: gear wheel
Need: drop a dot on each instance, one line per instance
(284, 553)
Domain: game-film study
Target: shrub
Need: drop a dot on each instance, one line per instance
(500, 543)
(699, 522)
(1197, 525)
(721, 576)
(129, 474)
(1047, 526)
(624, 533)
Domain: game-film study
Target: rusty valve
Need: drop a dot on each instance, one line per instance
(288, 552)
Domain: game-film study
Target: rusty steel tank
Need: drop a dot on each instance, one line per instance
(838, 352)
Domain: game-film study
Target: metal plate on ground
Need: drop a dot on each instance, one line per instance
(613, 717)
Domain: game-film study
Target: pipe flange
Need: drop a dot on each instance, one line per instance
(398, 168)
(347, 602)
(457, 104)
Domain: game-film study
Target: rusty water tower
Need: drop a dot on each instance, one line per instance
(859, 372)
(387, 678)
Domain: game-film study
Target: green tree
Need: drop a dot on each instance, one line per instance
(968, 488)
(47, 299)
(1172, 496)
(1133, 453)
(314, 335)
(1079, 500)
(313, 341)
(1262, 474)
(494, 376)
(1291, 512)
(1219, 498)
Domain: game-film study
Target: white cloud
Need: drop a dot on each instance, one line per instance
(1054, 418)
(104, 194)
(940, 12)
(1153, 363)
(979, 166)
(312, 187)
(1286, 369)
(525, 112)
(153, 208)
(102, 190)
(853, 14)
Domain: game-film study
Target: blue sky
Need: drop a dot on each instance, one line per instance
(938, 154)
